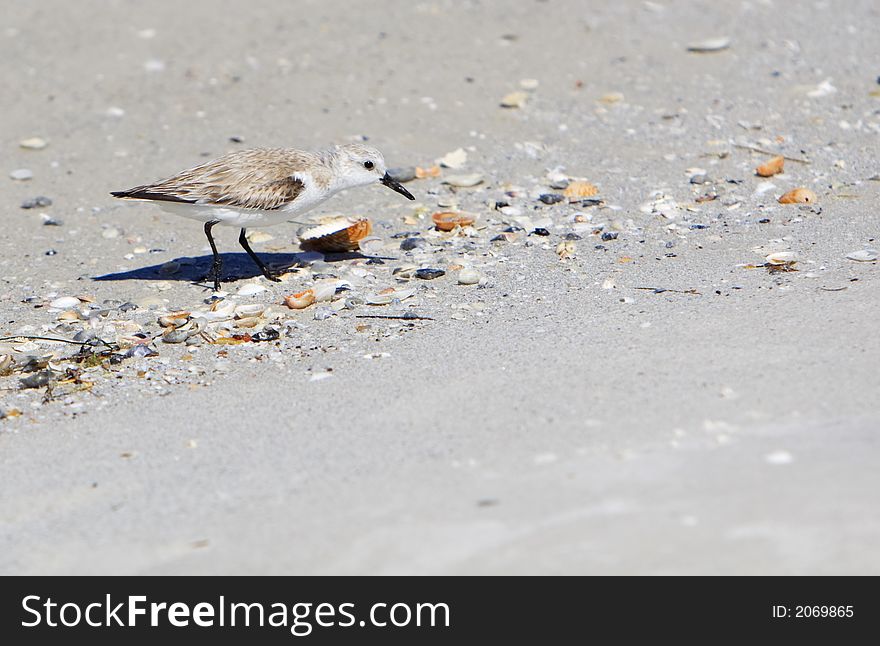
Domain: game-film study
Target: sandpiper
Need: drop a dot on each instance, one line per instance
(263, 187)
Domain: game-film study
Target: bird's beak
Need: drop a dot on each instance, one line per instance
(395, 186)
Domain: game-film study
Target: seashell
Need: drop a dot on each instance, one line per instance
(468, 276)
(250, 289)
(247, 310)
(799, 196)
(301, 300)
(449, 220)
(781, 258)
(370, 245)
(249, 322)
(514, 100)
(64, 303)
(430, 171)
(340, 235)
(324, 290)
(771, 167)
(580, 189)
(709, 45)
(174, 319)
(387, 296)
(33, 143)
(69, 315)
(863, 255)
(257, 236)
(611, 97)
(456, 159)
(463, 181)
(566, 249)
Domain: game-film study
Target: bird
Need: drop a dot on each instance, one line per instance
(263, 187)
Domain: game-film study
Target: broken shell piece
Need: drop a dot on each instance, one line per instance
(340, 235)
(456, 159)
(771, 167)
(301, 300)
(33, 143)
(514, 100)
(448, 220)
(566, 249)
(863, 255)
(799, 196)
(580, 189)
(69, 316)
(463, 181)
(781, 258)
(64, 303)
(709, 45)
(387, 296)
(247, 310)
(324, 290)
(248, 322)
(430, 171)
(174, 319)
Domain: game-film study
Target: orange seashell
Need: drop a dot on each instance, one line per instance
(301, 300)
(771, 167)
(338, 236)
(799, 196)
(448, 220)
(430, 171)
(580, 189)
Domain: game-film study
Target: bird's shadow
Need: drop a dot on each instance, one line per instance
(236, 266)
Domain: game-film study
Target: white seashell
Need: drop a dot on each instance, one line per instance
(863, 255)
(371, 245)
(324, 290)
(781, 258)
(246, 310)
(463, 181)
(456, 159)
(661, 205)
(709, 45)
(33, 143)
(64, 302)
(251, 289)
(385, 299)
(468, 276)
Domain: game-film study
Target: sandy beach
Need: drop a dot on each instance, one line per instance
(658, 369)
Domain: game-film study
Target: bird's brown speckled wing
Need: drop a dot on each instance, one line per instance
(249, 179)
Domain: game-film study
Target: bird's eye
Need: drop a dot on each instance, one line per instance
(368, 165)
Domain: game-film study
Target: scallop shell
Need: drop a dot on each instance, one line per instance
(580, 189)
(771, 167)
(448, 220)
(799, 196)
(339, 235)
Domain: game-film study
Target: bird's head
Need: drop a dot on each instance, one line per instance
(360, 165)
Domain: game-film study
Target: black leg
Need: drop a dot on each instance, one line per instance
(217, 265)
(242, 239)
